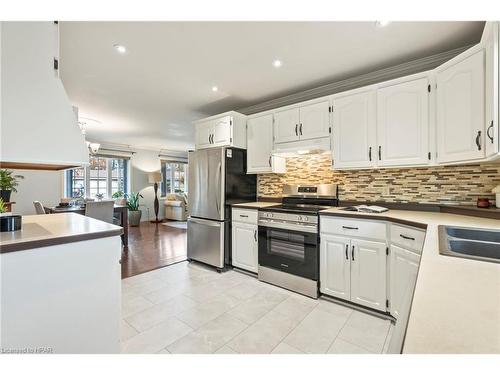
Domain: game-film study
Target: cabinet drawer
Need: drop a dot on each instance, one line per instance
(354, 227)
(242, 215)
(407, 237)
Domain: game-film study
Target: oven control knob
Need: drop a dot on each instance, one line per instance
(299, 218)
(306, 218)
(269, 214)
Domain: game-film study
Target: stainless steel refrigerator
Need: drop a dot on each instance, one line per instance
(217, 179)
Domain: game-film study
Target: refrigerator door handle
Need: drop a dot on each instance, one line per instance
(217, 191)
(209, 223)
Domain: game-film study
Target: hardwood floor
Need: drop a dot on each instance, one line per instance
(152, 246)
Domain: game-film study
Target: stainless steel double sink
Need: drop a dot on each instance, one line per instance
(471, 243)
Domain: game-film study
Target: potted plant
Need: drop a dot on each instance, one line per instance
(8, 183)
(134, 213)
(9, 222)
(120, 198)
(3, 209)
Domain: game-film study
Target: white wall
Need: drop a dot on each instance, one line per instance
(141, 164)
(43, 186)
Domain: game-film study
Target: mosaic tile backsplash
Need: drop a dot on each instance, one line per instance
(450, 184)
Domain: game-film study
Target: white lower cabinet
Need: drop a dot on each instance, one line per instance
(335, 267)
(358, 265)
(245, 240)
(368, 273)
(352, 268)
(404, 268)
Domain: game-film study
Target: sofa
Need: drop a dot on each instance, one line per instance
(176, 207)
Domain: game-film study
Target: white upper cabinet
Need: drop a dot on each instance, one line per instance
(227, 129)
(460, 108)
(222, 131)
(403, 124)
(260, 147)
(204, 134)
(490, 42)
(353, 133)
(314, 120)
(286, 125)
(308, 121)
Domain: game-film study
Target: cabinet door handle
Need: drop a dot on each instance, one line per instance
(300, 129)
(370, 153)
(296, 131)
(488, 131)
(406, 237)
(379, 152)
(478, 140)
(243, 215)
(347, 252)
(345, 227)
(255, 235)
(270, 161)
(352, 253)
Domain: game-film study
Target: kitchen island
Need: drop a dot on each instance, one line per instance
(60, 285)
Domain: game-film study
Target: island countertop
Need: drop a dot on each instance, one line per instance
(456, 303)
(55, 229)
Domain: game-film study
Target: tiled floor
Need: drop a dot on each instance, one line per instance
(187, 308)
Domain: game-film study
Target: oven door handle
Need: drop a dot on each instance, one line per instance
(288, 226)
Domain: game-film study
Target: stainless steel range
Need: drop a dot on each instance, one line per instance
(289, 237)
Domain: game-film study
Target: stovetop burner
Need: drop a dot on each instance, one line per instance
(302, 208)
(306, 199)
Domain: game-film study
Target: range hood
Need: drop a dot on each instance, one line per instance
(305, 147)
(38, 128)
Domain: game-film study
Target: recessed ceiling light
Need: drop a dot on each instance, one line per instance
(277, 63)
(382, 23)
(215, 88)
(119, 48)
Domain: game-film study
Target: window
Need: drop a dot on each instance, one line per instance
(75, 183)
(98, 177)
(103, 175)
(174, 175)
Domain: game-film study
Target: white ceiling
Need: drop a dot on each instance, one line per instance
(149, 96)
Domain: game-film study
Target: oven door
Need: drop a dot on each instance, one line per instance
(289, 251)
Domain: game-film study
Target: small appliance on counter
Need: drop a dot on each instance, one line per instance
(289, 237)
(483, 203)
(10, 223)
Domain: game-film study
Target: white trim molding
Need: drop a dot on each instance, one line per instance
(397, 71)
